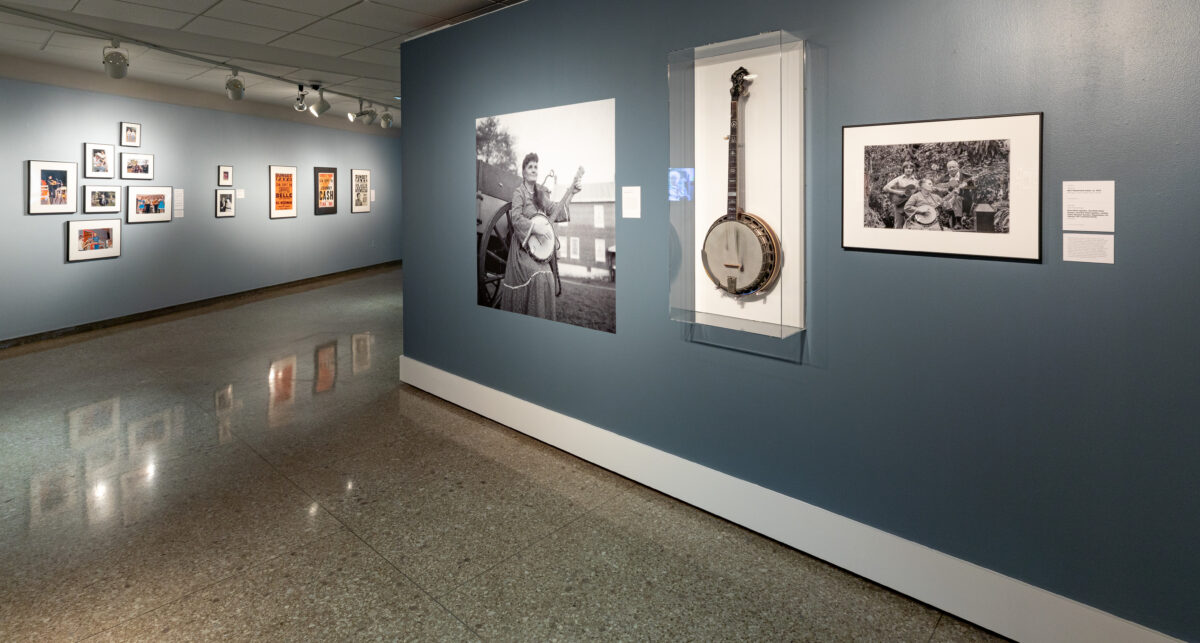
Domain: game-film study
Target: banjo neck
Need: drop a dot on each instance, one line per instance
(731, 208)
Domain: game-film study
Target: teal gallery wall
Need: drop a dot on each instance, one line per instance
(1037, 419)
(191, 258)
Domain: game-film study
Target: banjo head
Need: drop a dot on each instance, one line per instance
(541, 246)
(741, 254)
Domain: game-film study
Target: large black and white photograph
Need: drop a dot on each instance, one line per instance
(545, 224)
(967, 187)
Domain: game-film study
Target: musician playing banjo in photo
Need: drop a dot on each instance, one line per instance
(528, 285)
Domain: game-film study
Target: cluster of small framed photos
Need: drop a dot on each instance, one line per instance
(54, 187)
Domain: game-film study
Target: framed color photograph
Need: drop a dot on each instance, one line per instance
(99, 161)
(360, 190)
(135, 165)
(131, 135)
(225, 204)
(52, 187)
(225, 175)
(148, 204)
(283, 191)
(967, 187)
(99, 199)
(93, 239)
(324, 190)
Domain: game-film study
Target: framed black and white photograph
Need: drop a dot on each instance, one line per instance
(967, 187)
(135, 165)
(131, 135)
(99, 199)
(545, 220)
(52, 187)
(283, 191)
(148, 204)
(93, 239)
(360, 190)
(225, 204)
(99, 161)
(324, 190)
(225, 175)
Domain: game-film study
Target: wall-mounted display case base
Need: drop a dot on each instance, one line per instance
(762, 171)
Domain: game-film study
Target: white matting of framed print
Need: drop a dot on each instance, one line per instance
(99, 199)
(52, 187)
(148, 204)
(135, 165)
(360, 190)
(99, 161)
(131, 134)
(283, 191)
(226, 203)
(964, 187)
(225, 175)
(93, 239)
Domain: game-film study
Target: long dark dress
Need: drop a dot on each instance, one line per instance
(528, 284)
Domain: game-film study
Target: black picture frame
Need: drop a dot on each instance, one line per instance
(990, 208)
(325, 196)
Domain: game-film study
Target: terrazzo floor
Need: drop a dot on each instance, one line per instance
(254, 470)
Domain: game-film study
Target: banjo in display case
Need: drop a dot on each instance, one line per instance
(741, 253)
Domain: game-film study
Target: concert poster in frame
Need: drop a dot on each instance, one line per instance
(52, 187)
(966, 187)
(99, 199)
(360, 190)
(148, 204)
(283, 191)
(99, 161)
(225, 176)
(226, 203)
(93, 239)
(135, 165)
(324, 190)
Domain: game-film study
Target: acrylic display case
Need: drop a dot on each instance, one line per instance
(770, 176)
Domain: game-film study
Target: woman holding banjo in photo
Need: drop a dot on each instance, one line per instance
(528, 284)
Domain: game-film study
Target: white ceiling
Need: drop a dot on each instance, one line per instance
(349, 46)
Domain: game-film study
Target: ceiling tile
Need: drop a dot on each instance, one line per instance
(439, 8)
(316, 77)
(189, 6)
(376, 56)
(372, 83)
(232, 30)
(17, 33)
(91, 46)
(137, 14)
(30, 50)
(346, 32)
(261, 15)
(266, 68)
(59, 5)
(217, 77)
(315, 7)
(384, 17)
(320, 46)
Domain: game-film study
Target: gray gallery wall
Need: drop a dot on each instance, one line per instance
(197, 256)
(1038, 419)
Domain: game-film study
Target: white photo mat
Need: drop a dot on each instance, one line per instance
(283, 191)
(1023, 238)
(148, 204)
(93, 239)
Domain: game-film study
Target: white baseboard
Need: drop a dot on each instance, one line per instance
(999, 603)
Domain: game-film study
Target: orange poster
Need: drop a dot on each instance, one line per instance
(283, 191)
(325, 195)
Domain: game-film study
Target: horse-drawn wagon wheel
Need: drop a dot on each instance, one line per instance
(493, 257)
